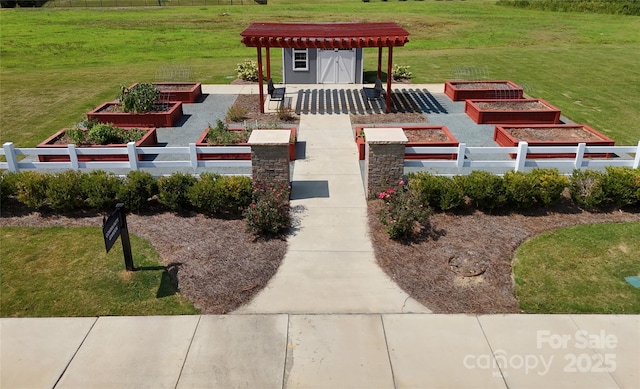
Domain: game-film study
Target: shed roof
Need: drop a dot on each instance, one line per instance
(324, 35)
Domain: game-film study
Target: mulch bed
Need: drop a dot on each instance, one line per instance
(462, 264)
(219, 265)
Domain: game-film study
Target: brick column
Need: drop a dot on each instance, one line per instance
(270, 156)
(384, 158)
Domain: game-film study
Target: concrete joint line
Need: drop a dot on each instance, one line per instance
(76, 352)
(195, 330)
(386, 343)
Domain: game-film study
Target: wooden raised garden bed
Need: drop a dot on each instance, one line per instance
(552, 135)
(240, 156)
(473, 90)
(186, 92)
(55, 141)
(165, 115)
(419, 136)
(512, 111)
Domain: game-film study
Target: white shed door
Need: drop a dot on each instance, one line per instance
(337, 66)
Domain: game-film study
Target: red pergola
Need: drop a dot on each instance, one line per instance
(325, 36)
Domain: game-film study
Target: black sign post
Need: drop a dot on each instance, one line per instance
(116, 226)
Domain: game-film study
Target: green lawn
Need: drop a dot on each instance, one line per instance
(66, 272)
(56, 64)
(580, 270)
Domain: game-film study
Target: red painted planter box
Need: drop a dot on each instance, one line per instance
(148, 119)
(539, 111)
(148, 139)
(240, 156)
(450, 142)
(473, 90)
(186, 92)
(504, 136)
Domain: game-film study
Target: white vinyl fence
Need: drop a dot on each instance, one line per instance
(132, 152)
(479, 158)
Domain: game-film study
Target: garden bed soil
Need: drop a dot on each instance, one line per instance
(418, 136)
(469, 90)
(164, 115)
(203, 142)
(186, 92)
(552, 135)
(511, 111)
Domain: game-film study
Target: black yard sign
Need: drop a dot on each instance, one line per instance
(113, 227)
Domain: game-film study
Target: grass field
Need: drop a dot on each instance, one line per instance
(580, 270)
(66, 272)
(56, 64)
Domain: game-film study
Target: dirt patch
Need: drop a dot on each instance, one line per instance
(433, 135)
(217, 264)
(175, 87)
(554, 134)
(464, 264)
(118, 108)
(394, 117)
(511, 106)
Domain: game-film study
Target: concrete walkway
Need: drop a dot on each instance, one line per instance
(330, 266)
(322, 351)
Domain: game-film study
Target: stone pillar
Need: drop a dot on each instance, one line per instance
(384, 158)
(270, 156)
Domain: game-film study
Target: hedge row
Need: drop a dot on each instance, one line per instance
(99, 190)
(589, 189)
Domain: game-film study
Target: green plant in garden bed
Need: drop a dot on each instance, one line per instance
(221, 135)
(102, 134)
(579, 270)
(140, 98)
(66, 272)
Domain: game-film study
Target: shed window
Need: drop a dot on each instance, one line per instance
(300, 59)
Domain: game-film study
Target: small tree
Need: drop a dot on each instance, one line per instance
(140, 98)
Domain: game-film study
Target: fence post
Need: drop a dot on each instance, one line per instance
(461, 152)
(384, 158)
(133, 155)
(270, 156)
(636, 161)
(579, 155)
(521, 157)
(10, 154)
(193, 156)
(73, 156)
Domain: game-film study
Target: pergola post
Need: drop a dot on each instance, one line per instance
(268, 63)
(389, 77)
(260, 79)
(380, 63)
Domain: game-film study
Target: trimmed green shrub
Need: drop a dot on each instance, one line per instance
(203, 195)
(235, 193)
(32, 188)
(401, 72)
(587, 188)
(138, 188)
(268, 213)
(8, 186)
(521, 189)
(101, 189)
(438, 191)
(485, 190)
(403, 213)
(172, 190)
(550, 185)
(622, 185)
(64, 191)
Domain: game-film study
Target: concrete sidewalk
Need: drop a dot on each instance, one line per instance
(322, 351)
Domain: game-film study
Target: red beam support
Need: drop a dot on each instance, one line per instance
(389, 77)
(260, 80)
(268, 63)
(380, 63)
